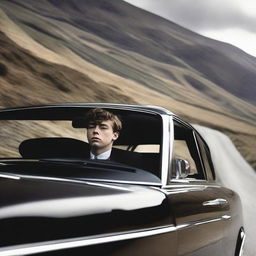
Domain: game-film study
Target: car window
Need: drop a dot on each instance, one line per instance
(149, 155)
(137, 147)
(185, 147)
(13, 132)
(149, 148)
(206, 157)
(181, 151)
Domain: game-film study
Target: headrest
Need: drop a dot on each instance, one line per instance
(56, 147)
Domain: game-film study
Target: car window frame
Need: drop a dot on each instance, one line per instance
(210, 173)
(171, 178)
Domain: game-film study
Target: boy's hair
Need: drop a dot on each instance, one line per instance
(97, 115)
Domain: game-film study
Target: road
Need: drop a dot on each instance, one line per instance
(234, 172)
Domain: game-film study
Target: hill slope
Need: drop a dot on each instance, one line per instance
(84, 50)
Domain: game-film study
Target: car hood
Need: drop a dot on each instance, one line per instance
(43, 209)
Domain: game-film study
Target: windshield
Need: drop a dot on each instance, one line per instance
(63, 144)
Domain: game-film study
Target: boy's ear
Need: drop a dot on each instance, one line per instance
(116, 135)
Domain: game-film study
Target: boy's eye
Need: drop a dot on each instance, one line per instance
(103, 127)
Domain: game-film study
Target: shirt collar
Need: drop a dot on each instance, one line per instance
(102, 156)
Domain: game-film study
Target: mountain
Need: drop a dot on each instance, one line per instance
(99, 50)
(41, 80)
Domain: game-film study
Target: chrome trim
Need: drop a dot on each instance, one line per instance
(108, 186)
(184, 123)
(171, 158)
(95, 182)
(184, 188)
(166, 148)
(215, 202)
(226, 217)
(9, 176)
(179, 180)
(126, 182)
(199, 154)
(202, 222)
(41, 247)
(196, 186)
(243, 236)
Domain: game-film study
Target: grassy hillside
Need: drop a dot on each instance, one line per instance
(110, 51)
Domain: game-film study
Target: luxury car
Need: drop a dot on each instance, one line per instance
(161, 198)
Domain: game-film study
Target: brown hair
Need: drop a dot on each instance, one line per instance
(97, 115)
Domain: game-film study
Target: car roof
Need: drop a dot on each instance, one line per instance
(67, 111)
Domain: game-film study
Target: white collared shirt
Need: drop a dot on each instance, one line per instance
(102, 156)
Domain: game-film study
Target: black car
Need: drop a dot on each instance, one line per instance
(161, 198)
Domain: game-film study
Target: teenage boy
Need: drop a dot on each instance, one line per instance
(103, 128)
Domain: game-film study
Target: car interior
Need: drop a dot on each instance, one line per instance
(139, 143)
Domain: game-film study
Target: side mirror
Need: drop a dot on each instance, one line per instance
(182, 167)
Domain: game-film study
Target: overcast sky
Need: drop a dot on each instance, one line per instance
(232, 21)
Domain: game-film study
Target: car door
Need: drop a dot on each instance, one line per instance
(200, 206)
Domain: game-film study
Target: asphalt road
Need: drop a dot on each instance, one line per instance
(234, 172)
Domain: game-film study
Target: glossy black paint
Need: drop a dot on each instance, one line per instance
(114, 210)
(43, 210)
(204, 225)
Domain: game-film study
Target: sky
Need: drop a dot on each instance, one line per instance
(231, 21)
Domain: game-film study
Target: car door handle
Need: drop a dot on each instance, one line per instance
(215, 202)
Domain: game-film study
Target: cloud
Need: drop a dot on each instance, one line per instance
(232, 21)
(201, 15)
(240, 38)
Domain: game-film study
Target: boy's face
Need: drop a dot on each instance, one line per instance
(101, 135)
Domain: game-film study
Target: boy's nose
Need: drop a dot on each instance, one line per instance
(96, 129)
